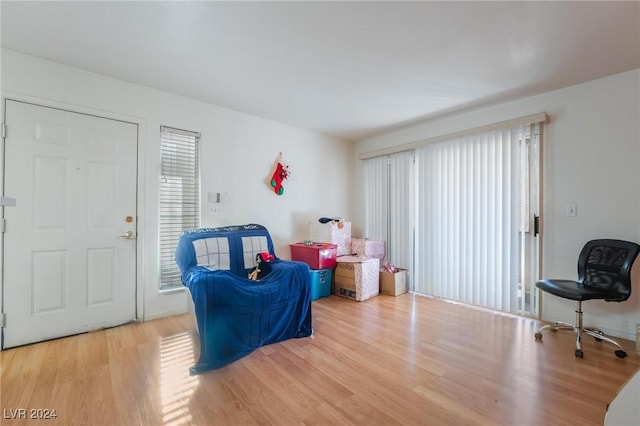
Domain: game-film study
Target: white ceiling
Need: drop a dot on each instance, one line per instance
(347, 69)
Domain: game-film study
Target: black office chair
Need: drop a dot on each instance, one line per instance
(604, 272)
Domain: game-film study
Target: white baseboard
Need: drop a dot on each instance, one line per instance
(164, 314)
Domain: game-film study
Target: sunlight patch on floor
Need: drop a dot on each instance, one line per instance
(176, 385)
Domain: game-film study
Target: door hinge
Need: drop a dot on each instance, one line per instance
(3, 225)
(4, 130)
(3, 319)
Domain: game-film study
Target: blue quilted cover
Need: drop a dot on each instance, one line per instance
(236, 315)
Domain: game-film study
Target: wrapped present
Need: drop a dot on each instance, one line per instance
(357, 278)
(334, 232)
(368, 248)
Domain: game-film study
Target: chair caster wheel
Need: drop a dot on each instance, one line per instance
(621, 354)
(538, 336)
(579, 353)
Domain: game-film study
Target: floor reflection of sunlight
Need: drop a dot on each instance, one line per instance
(176, 385)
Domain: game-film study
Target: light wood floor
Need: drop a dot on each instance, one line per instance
(388, 361)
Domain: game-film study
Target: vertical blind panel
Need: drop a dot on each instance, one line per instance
(466, 230)
(402, 195)
(389, 205)
(376, 178)
(179, 196)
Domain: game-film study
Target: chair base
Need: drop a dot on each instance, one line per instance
(579, 330)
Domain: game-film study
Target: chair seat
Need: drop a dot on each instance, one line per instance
(575, 291)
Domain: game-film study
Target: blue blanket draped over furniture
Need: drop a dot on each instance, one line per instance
(235, 315)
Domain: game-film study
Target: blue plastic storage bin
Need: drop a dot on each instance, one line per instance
(320, 283)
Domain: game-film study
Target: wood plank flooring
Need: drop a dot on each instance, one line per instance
(407, 360)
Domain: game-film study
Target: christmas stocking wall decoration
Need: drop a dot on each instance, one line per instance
(281, 173)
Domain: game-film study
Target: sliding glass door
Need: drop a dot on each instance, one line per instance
(467, 225)
(476, 200)
(529, 227)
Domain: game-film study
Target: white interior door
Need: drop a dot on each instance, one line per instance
(67, 267)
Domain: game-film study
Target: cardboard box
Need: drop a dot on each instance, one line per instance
(368, 248)
(393, 284)
(357, 278)
(316, 255)
(338, 233)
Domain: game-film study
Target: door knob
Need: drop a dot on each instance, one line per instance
(129, 235)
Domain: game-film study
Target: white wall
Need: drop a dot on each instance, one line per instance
(237, 158)
(591, 158)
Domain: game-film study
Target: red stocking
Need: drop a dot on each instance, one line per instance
(278, 177)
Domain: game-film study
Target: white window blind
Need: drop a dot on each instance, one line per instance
(376, 198)
(179, 196)
(389, 205)
(476, 195)
(468, 224)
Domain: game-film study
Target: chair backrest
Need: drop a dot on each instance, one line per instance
(231, 248)
(606, 265)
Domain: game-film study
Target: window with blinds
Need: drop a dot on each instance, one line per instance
(476, 196)
(476, 199)
(179, 196)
